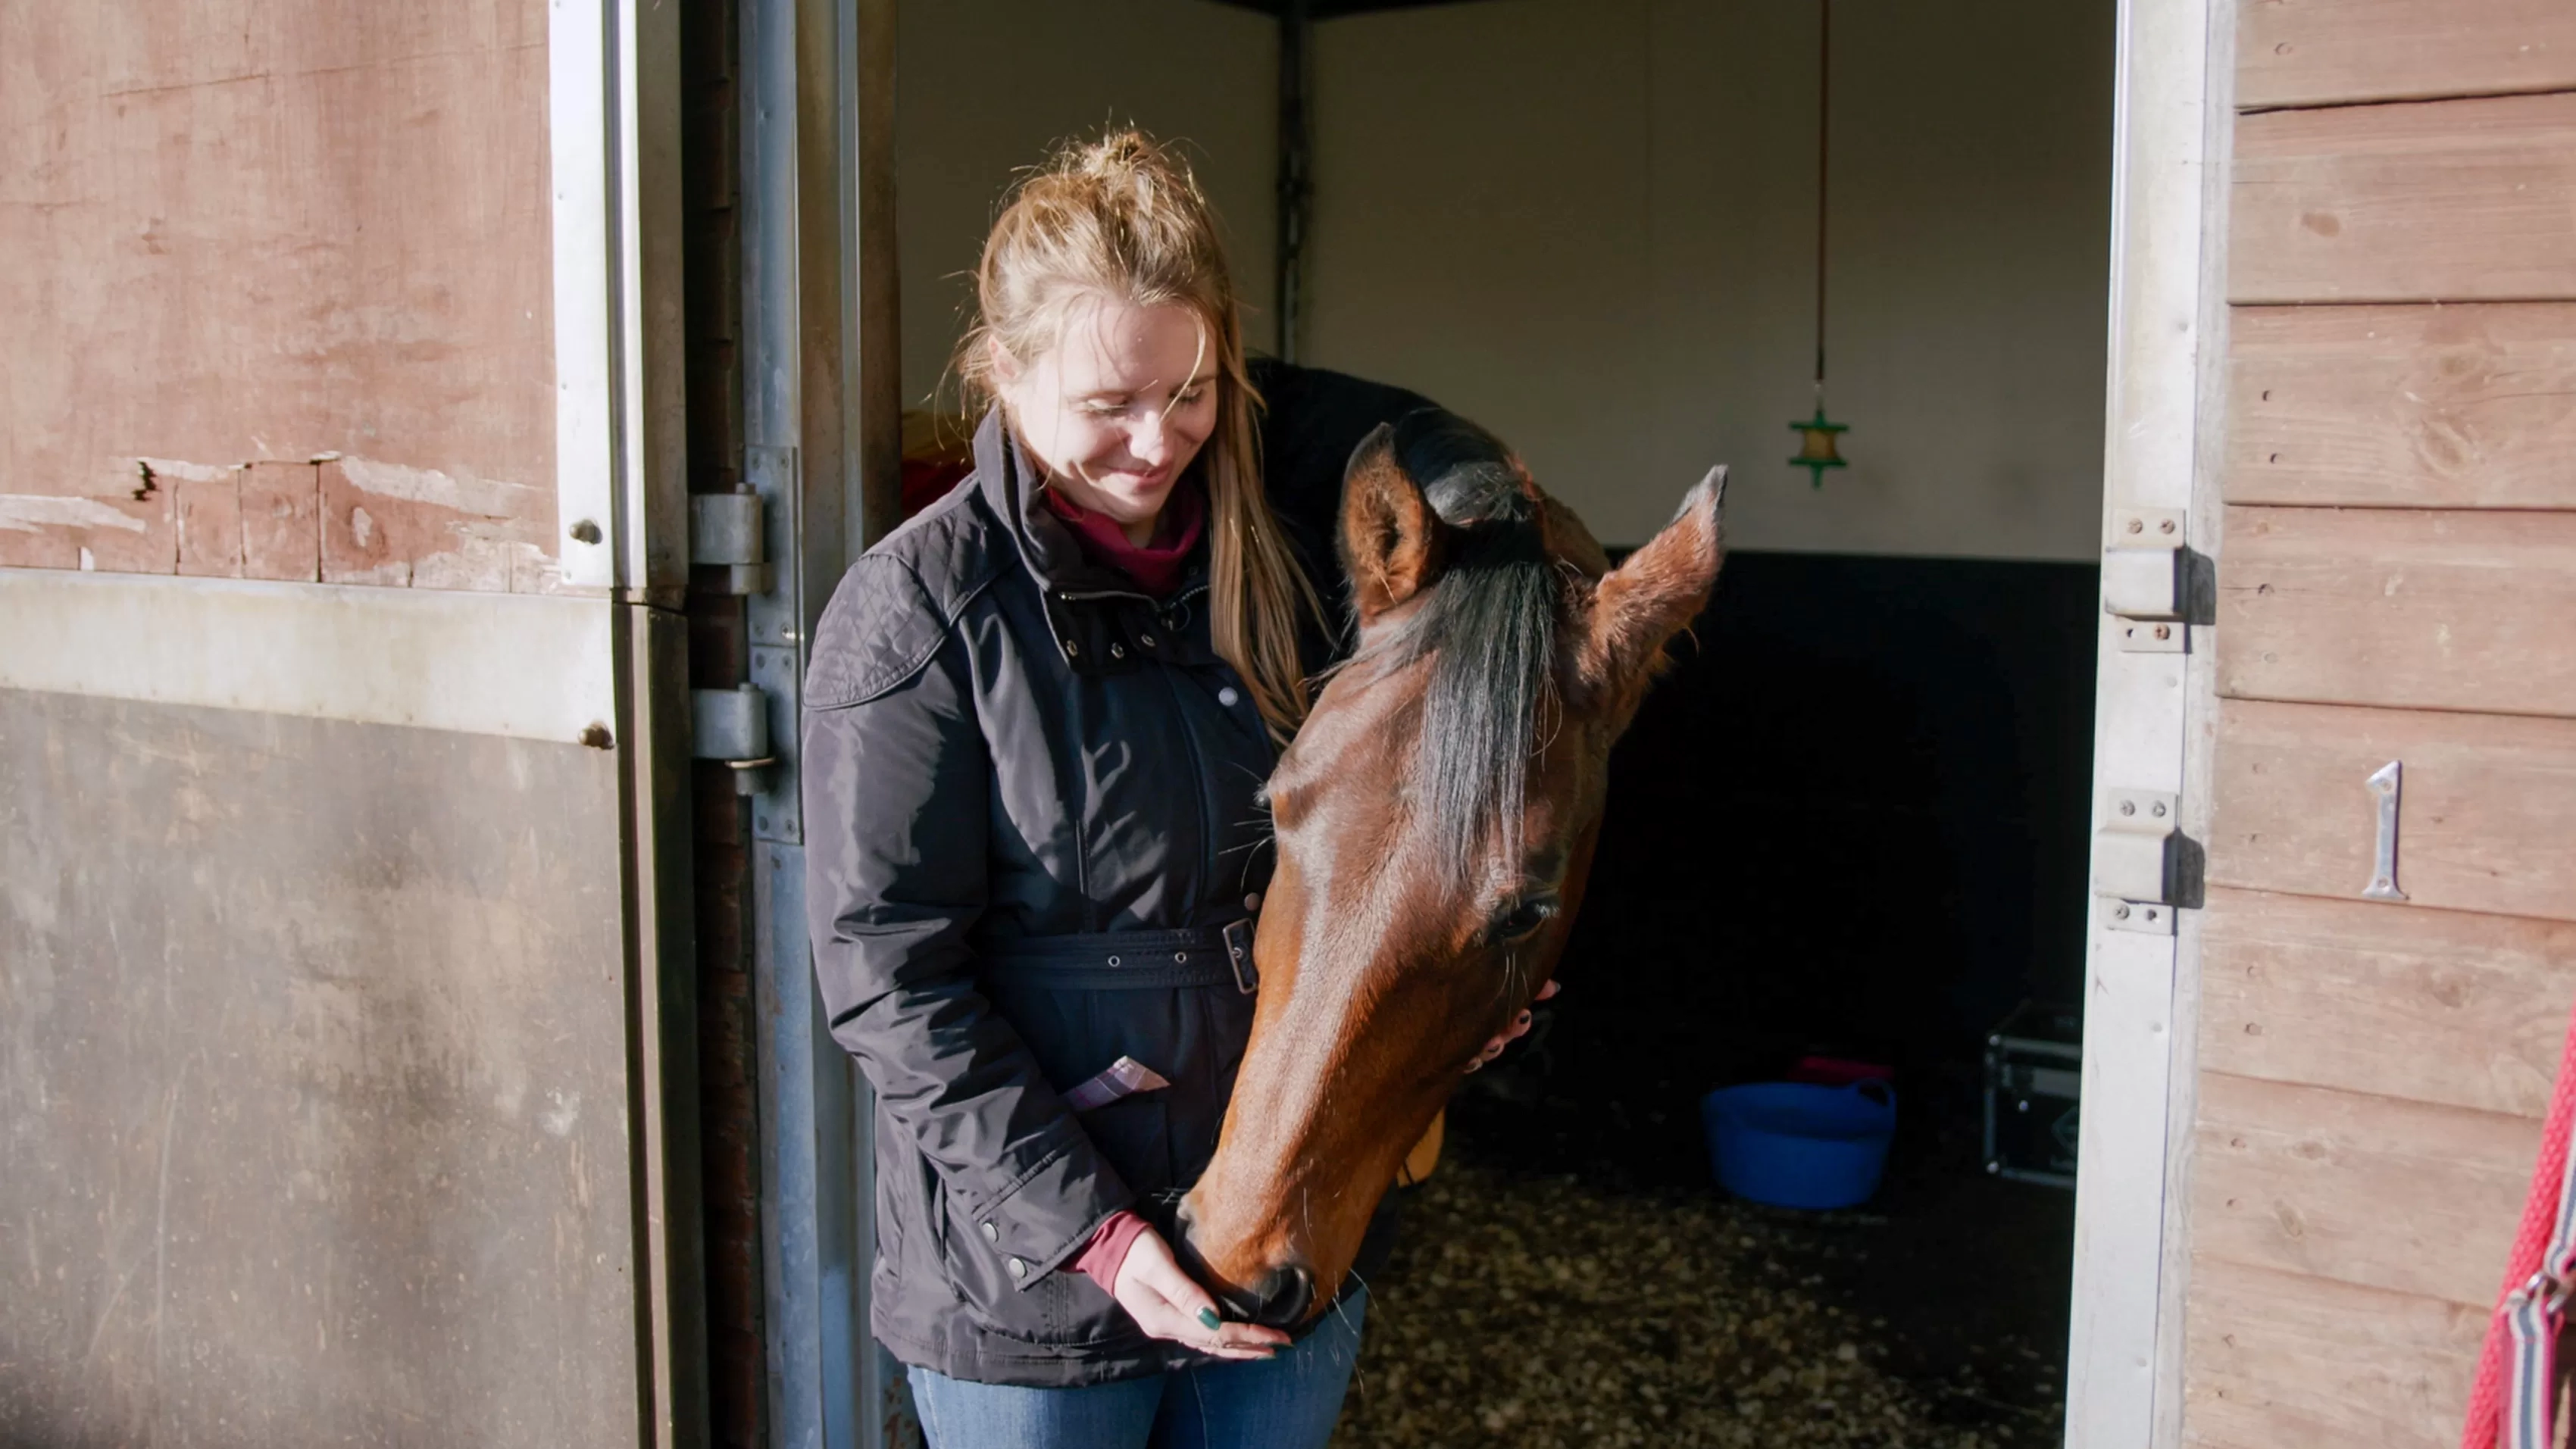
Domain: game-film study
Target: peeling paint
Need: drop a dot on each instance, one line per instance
(27, 512)
(489, 497)
(192, 472)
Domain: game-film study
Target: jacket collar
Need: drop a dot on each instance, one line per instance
(1009, 481)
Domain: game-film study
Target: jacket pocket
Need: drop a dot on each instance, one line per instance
(1062, 1308)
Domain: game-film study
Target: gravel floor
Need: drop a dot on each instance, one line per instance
(1547, 1310)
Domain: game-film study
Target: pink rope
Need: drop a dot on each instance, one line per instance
(2539, 1223)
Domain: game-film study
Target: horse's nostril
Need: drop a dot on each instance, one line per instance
(1285, 1296)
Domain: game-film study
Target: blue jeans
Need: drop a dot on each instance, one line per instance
(1288, 1402)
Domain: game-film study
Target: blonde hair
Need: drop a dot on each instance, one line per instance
(1123, 218)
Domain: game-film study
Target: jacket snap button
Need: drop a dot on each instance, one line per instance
(1227, 696)
(1019, 1269)
(1252, 902)
(992, 1234)
(1117, 651)
(1113, 960)
(1145, 639)
(1072, 649)
(1181, 958)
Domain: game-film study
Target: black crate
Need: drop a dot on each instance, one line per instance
(2034, 1075)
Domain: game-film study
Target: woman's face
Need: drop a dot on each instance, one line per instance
(1118, 409)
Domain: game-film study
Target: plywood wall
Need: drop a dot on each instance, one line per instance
(2397, 582)
(278, 293)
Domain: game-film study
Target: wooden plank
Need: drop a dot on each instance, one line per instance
(2380, 1192)
(124, 525)
(210, 525)
(2408, 407)
(333, 232)
(2409, 609)
(2427, 202)
(2283, 1361)
(2444, 1007)
(2328, 52)
(281, 522)
(2488, 819)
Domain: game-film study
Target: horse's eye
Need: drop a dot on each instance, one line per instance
(1525, 917)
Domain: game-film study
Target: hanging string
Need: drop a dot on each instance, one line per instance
(1824, 117)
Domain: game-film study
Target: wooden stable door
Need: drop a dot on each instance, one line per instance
(2395, 584)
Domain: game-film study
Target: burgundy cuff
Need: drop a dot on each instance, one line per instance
(1106, 1253)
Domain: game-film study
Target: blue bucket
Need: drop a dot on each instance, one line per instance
(1795, 1144)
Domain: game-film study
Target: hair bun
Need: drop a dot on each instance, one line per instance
(1116, 154)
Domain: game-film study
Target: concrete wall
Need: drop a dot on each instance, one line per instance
(1590, 224)
(986, 87)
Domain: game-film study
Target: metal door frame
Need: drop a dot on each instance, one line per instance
(821, 424)
(621, 428)
(2163, 432)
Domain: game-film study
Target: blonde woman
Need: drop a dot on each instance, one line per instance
(1037, 720)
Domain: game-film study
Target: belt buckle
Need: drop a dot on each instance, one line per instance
(1238, 954)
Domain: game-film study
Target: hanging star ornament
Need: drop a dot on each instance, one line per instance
(1816, 451)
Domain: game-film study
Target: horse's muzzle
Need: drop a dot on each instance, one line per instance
(1282, 1300)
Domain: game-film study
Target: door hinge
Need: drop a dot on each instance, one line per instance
(732, 726)
(2146, 581)
(726, 531)
(2133, 860)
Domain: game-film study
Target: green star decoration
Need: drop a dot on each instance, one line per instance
(1818, 451)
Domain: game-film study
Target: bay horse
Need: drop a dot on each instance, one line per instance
(1435, 819)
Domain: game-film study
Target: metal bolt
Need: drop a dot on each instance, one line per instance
(2164, 631)
(2128, 807)
(2137, 525)
(585, 532)
(2165, 527)
(2120, 912)
(2160, 810)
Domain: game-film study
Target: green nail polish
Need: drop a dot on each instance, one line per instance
(1208, 1318)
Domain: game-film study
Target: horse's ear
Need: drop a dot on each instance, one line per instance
(1658, 591)
(1392, 541)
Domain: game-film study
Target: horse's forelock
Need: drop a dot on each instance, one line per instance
(1488, 627)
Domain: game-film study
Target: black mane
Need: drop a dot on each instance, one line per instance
(1489, 627)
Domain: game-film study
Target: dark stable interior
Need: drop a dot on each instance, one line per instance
(1850, 821)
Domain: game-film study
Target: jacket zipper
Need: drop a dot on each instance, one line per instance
(1198, 758)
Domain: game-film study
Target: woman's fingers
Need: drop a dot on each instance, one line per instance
(1168, 1303)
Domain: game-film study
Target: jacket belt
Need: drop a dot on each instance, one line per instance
(1131, 960)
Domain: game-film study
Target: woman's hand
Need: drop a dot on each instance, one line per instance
(1520, 1026)
(1168, 1303)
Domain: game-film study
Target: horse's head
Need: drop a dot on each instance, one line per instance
(1435, 820)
